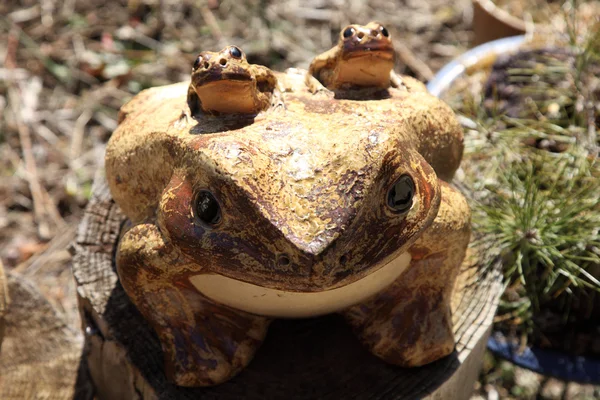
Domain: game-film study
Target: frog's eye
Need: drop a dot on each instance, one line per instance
(384, 31)
(197, 63)
(236, 52)
(207, 209)
(400, 195)
(349, 31)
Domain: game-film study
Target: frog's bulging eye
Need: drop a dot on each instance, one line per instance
(349, 31)
(384, 31)
(207, 208)
(236, 52)
(197, 63)
(400, 196)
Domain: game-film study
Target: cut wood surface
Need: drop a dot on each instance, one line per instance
(315, 358)
(40, 356)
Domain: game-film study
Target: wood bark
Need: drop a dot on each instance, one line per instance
(40, 356)
(316, 358)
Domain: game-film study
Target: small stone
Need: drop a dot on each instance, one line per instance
(553, 389)
(528, 381)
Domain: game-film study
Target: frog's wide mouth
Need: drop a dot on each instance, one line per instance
(270, 302)
(378, 50)
(214, 76)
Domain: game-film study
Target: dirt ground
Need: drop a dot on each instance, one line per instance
(67, 66)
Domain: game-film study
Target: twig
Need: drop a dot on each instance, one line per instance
(43, 207)
(212, 23)
(78, 132)
(413, 62)
(32, 176)
(58, 244)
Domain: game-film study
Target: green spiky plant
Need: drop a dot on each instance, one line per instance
(545, 224)
(536, 188)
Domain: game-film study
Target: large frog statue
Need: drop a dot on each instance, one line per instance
(297, 204)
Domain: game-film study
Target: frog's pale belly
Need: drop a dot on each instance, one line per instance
(283, 304)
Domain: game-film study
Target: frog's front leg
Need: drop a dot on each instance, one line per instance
(193, 101)
(204, 343)
(410, 323)
(313, 84)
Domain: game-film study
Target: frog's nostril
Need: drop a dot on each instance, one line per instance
(360, 35)
(206, 65)
(283, 260)
(343, 259)
(223, 62)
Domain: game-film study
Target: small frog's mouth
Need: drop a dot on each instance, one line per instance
(213, 76)
(381, 51)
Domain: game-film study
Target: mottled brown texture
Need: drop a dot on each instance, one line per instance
(308, 180)
(302, 359)
(410, 323)
(362, 58)
(202, 341)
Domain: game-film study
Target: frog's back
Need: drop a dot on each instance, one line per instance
(312, 137)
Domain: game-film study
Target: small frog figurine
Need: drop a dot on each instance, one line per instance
(225, 83)
(328, 206)
(362, 58)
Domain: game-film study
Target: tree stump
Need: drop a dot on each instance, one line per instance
(316, 358)
(40, 355)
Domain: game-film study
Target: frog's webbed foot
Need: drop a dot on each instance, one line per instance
(204, 343)
(396, 81)
(277, 101)
(410, 323)
(207, 344)
(313, 84)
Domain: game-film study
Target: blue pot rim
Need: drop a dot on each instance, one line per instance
(547, 362)
(456, 68)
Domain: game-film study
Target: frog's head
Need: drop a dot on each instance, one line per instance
(365, 56)
(297, 212)
(224, 82)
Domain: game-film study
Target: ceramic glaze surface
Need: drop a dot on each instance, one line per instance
(319, 202)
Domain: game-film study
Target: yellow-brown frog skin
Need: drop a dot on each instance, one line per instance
(308, 180)
(225, 83)
(363, 57)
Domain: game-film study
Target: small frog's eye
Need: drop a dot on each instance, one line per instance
(207, 209)
(197, 63)
(349, 31)
(384, 31)
(400, 195)
(236, 52)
